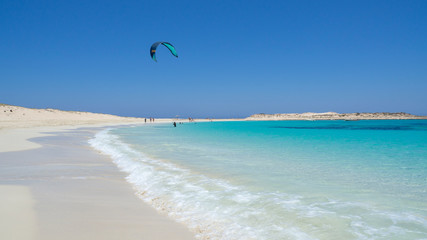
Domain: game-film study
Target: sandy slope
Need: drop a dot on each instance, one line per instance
(18, 117)
(17, 124)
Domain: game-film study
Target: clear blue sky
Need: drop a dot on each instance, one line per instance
(236, 58)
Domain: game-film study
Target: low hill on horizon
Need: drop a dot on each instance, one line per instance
(334, 116)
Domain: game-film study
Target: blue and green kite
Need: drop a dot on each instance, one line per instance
(166, 44)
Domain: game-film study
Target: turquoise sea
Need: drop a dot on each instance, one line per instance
(280, 179)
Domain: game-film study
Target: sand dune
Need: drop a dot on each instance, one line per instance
(19, 117)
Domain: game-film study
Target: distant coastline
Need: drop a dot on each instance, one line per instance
(334, 116)
(18, 117)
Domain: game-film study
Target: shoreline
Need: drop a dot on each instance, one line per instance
(21, 117)
(55, 185)
(58, 187)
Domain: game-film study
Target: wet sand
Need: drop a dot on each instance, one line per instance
(62, 189)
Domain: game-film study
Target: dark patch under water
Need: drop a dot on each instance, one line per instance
(389, 128)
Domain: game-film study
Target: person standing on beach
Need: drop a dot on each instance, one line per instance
(174, 124)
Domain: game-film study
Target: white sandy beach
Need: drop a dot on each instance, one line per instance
(53, 185)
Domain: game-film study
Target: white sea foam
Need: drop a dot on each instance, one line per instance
(215, 209)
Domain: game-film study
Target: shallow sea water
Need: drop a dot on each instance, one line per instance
(281, 179)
